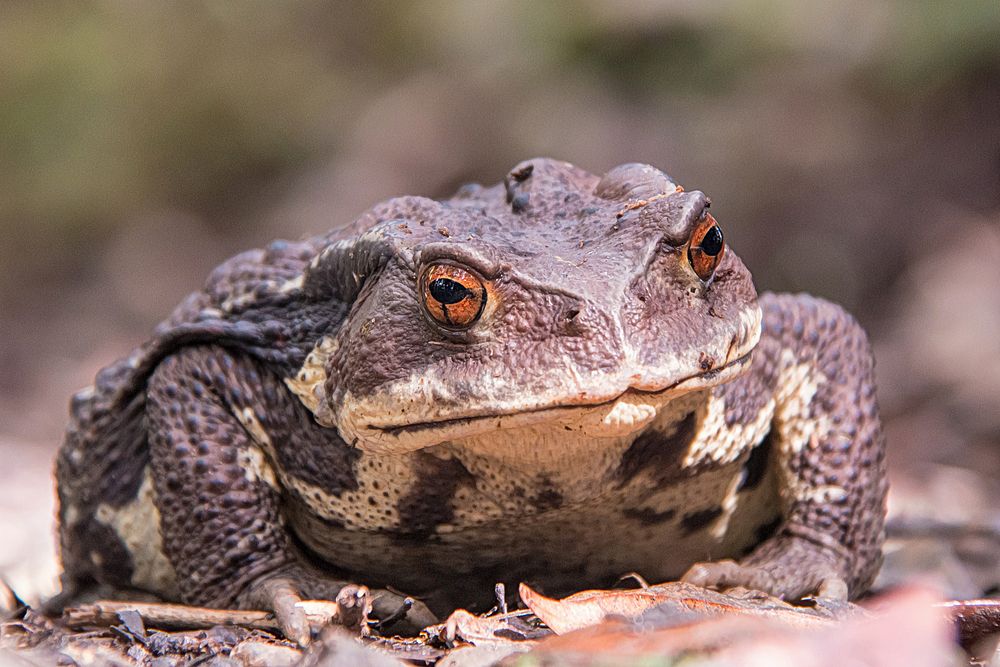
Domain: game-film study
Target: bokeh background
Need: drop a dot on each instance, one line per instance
(852, 150)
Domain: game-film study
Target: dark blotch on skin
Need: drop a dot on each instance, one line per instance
(116, 561)
(766, 530)
(649, 517)
(762, 533)
(756, 464)
(549, 497)
(429, 505)
(656, 452)
(695, 521)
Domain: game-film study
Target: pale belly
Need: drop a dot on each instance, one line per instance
(550, 506)
(656, 534)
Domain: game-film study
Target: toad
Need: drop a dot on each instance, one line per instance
(558, 379)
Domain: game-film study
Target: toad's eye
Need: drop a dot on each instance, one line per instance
(706, 248)
(453, 296)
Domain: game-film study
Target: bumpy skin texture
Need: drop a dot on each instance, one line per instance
(831, 455)
(305, 421)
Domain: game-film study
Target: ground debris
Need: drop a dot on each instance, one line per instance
(667, 622)
(45, 641)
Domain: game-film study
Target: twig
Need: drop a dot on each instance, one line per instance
(500, 592)
(168, 616)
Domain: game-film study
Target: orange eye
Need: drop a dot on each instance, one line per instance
(706, 248)
(453, 296)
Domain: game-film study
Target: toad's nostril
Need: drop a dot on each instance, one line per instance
(572, 314)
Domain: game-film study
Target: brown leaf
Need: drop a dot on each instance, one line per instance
(907, 632)
(675, 600)
(502, 629)
(978, 624)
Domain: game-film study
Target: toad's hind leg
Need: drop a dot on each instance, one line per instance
(214, 420)
(830, 455)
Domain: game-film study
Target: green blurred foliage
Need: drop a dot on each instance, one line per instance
(111, 108)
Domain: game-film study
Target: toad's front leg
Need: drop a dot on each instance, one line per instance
(210, 416)
(830, 452)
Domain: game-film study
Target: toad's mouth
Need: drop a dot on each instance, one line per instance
(601, 416)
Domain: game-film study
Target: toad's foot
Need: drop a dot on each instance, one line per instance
(298, 605)
(787, 567)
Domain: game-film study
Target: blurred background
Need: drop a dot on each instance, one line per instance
(851, 150)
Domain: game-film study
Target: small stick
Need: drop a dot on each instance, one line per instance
(170, 616)
(500, 591)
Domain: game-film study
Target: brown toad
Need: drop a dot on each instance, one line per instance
(559, 379)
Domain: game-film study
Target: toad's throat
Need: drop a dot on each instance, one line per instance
(626, 411)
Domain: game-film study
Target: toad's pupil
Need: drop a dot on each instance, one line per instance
(447, 291)
(711, 245)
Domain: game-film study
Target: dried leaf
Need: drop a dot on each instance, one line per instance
(502, 629)
(676, 601)
(908, 632)
(978, 624)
